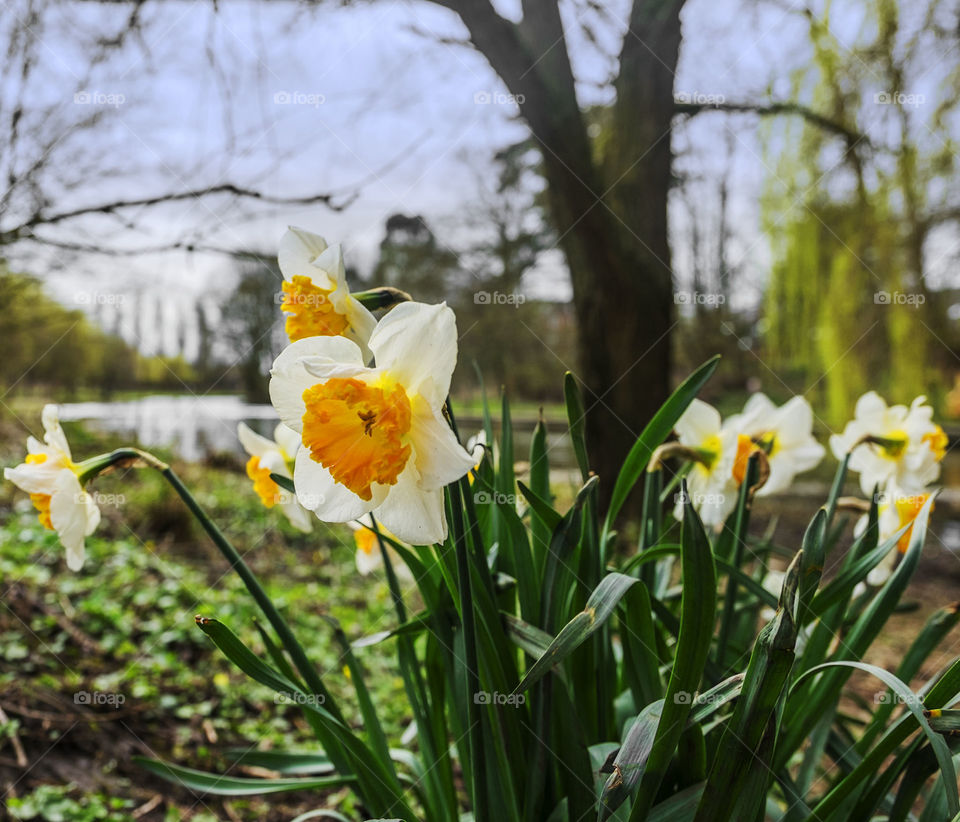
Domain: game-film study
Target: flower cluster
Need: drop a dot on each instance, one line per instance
(896, 450)
(360, 403)
(720, 450)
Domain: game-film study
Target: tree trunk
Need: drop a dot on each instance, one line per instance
(611, 213)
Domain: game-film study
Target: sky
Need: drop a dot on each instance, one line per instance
(373, 100)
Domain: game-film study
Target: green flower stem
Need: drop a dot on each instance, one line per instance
(474, 709)
(136, 457)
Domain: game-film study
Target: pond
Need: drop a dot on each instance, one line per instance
(193, 427)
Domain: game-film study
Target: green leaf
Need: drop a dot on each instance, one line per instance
(222, 785)
(285, 762)
(540, 507)
(598, 610)
(540, 481)
(413, 626)
(655, 432)
(817, 696)
(556, 572)
(631, 760)
(641, 664)
(284, 482)
(915, 706)
(698, 605)
(763, 688)
(944, 720)
(373, 776)
(576, 418)
(943, 691)
(840, 587)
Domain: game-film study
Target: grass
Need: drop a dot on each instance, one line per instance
(122, 630)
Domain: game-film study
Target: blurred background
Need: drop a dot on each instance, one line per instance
(618, 189)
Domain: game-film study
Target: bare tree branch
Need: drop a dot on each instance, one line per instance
(22, 231)
(777, 108)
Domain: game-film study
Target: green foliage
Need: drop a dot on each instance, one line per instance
(53, 803)
(550, 677)
(46, 343)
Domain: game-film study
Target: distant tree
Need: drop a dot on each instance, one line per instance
(512, 227)
(252, 322)
(850, 303)
(414, 260)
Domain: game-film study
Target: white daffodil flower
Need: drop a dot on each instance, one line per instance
(316, 298)
(51, 478)
(895, 509)
(784, 434)
(369, 557)
(710, 483)
(894, 444)
(274, 456)
(374, 438)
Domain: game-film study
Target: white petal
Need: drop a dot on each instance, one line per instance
(93, 514)
(253, 443)
(440, 458)
(414, 516)
(298, 516)
(870, 411)
(301, 365)
(758, 416)
(298, 249)
(330, 262)
(54, 435)
(417, 343)
(35, 477)
(367, 563)
(330, 500)
(794, 420)
(71, 513)
(698, 423)
(288, 441)
(362, 325)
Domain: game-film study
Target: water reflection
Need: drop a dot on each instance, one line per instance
(193, 427)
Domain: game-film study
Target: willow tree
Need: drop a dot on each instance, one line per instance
(849, 303)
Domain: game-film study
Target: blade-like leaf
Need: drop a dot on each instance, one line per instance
(915, 706)
(284, 482)
(697, 612)
(599, 607)
(285, 762)
(630, 761)
(540, 507)
(576, 418)
(221, 785)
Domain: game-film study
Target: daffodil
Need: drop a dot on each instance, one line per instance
(375, 438)
(896, 509)
(784, 434)
(369, 556)
(892, 444)
(52, 479)
(711, 483)
(274, 456)
(316, 298)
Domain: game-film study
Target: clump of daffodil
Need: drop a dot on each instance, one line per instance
(374, 439)
(892, 444)
(316, 298)
(784, 434)
(274, 456)
(55, 485)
